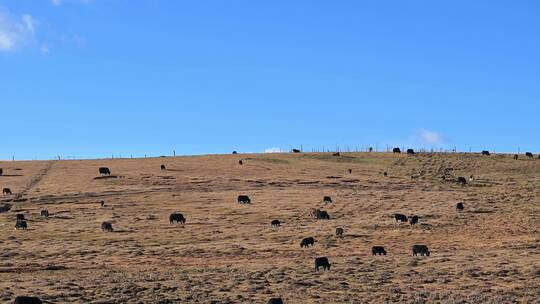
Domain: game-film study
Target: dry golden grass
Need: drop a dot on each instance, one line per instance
(229, 253)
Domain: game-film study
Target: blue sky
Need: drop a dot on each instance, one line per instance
(92, 78)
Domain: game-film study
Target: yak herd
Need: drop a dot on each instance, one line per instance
(320, 262)
(323, 262)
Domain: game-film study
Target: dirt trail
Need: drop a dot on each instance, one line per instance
(37, 178)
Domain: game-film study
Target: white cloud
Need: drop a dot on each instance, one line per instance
(56, 2)
(15, 31)
(45, 49)
(6, 41)
(430, 137)
(29, 23)
(272, 150)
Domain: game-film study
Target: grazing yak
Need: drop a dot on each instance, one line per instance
(485, 152)
(413, 220)
(350, 171)
(6, 191)
(529, 155)
(275, 223)
(27, 300)
(322, 262)
(240, 162)
(102, 203)
(296, 151)
(378, 250)
(396, 150)
(410, 151)
(339, 232)
(107, 226)
(104, 171)
(20, 217)
(327, 199)
(163, 167)
(400, 217)
(462, 180)
(336, 154)
(420, 250)
(244, 199)
(275, 301)
(385, 174)
(21, 224)
(460, 206)
(1, 171)
(4, 207)
(306, 242)
(177, 218)
(44, 213)
(322, 215)
(234, 152)
(516, 156)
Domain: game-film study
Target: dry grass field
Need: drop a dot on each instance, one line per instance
(229, 253)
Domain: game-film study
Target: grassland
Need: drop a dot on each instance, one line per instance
(229, 253)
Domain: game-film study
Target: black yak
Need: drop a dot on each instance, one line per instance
(400, 217)
(420, 250)
(104, 171)
(177, 218)
(322, 262)
(321, 214)
(106, 226)
(306, 242)
(27, 300)
(275, 301)
(244, 199)
(21, 224)
(378, 250)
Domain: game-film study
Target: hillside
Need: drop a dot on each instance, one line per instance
(229, 253)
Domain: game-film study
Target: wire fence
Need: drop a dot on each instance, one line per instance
(298, 148)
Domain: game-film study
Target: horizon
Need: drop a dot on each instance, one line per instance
(363, 149)
(90, 79)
